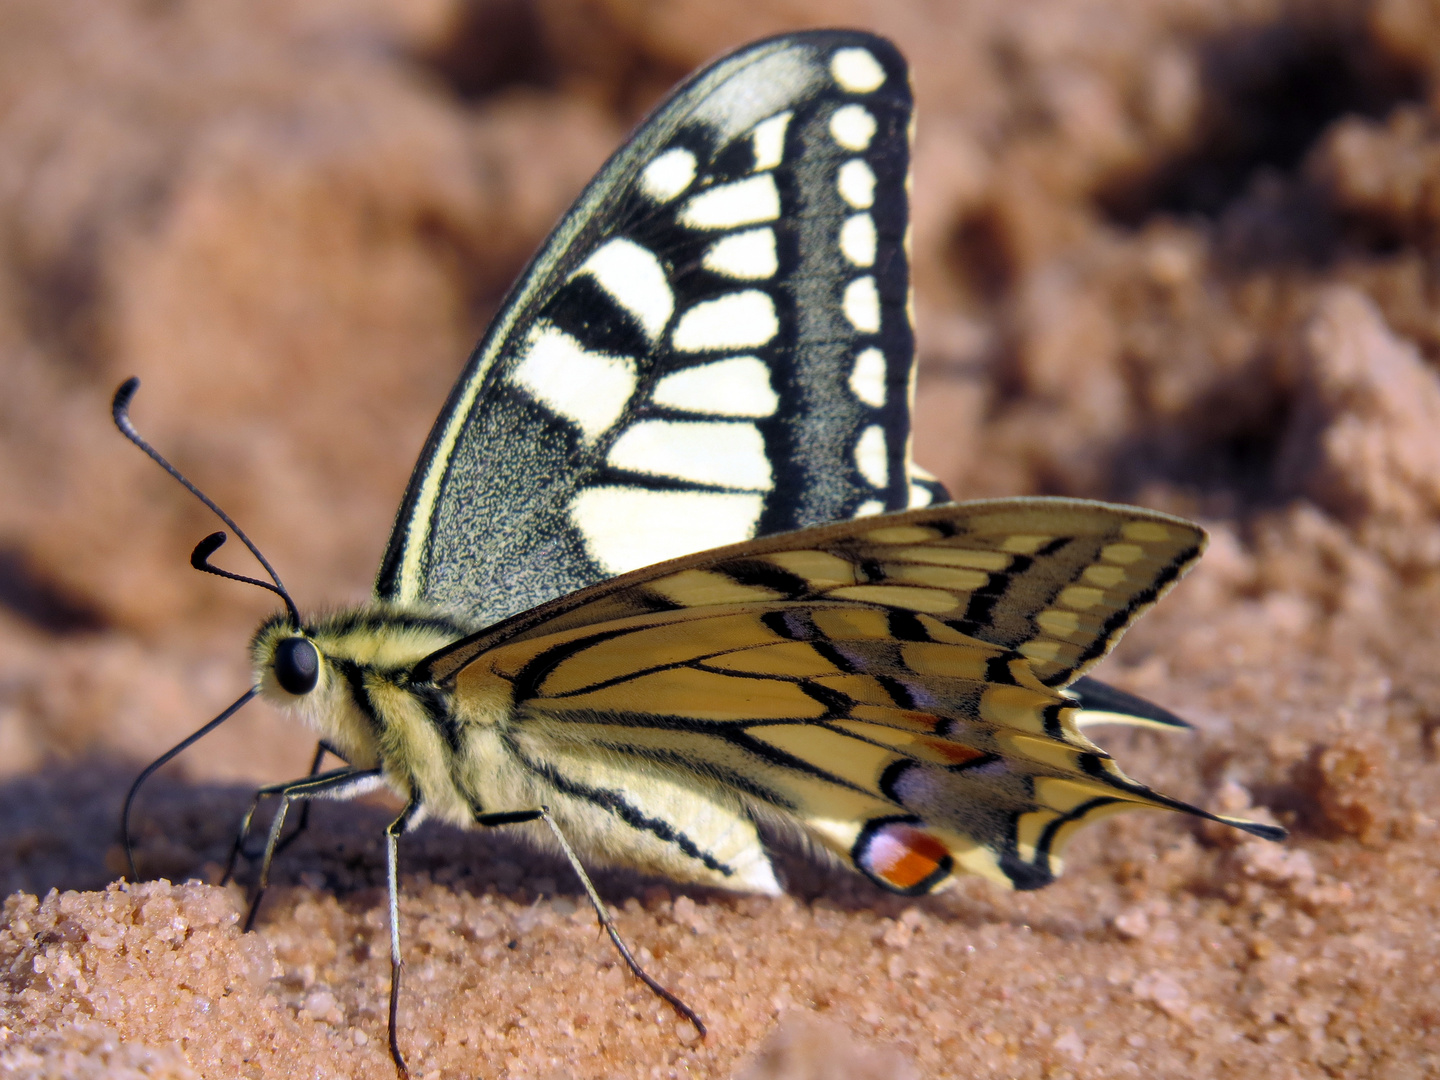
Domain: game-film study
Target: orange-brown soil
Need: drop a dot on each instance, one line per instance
(1184, 253)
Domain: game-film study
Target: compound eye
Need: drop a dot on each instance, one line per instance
(297, 665)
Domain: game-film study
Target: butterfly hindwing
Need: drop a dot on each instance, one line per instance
(714, 344)
(892, 687)
(1104, 704)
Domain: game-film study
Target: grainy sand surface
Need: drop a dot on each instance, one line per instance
(1184, 253)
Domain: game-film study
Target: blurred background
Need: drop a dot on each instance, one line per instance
(1184, 253)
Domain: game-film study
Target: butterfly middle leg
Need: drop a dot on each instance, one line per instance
(397, 828)
(520, 817)
(343, 783)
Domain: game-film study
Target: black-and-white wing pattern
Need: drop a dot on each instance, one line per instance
(715, 344)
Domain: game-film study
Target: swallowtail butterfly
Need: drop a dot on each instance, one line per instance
(665, 576)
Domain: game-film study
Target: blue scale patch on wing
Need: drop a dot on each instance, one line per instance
(714, 345)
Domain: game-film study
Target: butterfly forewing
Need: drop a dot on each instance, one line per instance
(891, 684)
(713, 346)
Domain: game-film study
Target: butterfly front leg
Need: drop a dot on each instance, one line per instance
(321, 749)
(344, 783)
(237, 849)
(520, 817)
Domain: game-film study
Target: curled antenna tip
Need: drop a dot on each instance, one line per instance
(120, 406)
(199, 558)
(119, 409)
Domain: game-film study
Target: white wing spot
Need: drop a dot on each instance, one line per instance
(739, 386)
(857, 239)
(857, 70)
(633, 276)
(668, 175)
(747, 256)
(920, 496)
(589, 388)
(738, 320)
(867, 380)
(728, 206)
(872, 457)
(768, 141)
(762, 88)
(869, 508)
(626, 528)
(856, 182)
(862, 305)
(852, 127)
(718, 452)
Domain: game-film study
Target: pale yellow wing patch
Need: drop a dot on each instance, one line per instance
(1056, 580)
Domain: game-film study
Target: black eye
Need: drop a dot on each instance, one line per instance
(297, 665)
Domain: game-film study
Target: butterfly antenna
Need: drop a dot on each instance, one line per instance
(200, 557)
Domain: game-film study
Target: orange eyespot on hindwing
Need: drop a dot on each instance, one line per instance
(900, 856)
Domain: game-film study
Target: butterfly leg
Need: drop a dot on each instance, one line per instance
(321, 749)
(238, 848)
(601, 911)
(343, 783)
(393, 832)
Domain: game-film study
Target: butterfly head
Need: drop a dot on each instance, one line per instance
(290, 658)
(303, 671)
(343, 673)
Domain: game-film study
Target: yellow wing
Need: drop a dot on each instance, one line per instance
(892, 685)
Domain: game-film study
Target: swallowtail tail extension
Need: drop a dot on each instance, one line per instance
(665, 578)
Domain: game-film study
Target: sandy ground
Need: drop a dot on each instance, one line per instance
(1184, 253)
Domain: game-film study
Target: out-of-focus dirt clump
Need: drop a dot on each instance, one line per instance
(1181, 253)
